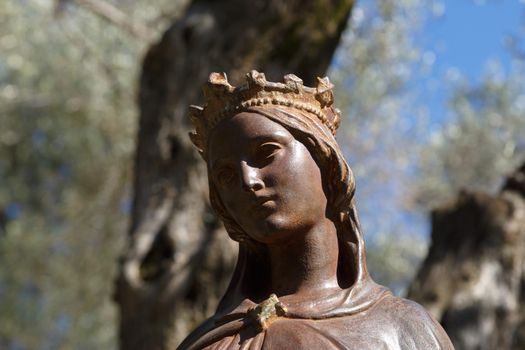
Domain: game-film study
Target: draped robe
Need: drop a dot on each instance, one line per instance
(359, 315)
(363, 316)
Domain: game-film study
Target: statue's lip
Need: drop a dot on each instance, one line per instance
(260, 200)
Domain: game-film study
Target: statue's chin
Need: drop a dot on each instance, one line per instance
(276, 228)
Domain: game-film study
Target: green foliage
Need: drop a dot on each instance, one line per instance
(393, 260)
(67, 129)
(483, 141)
(372, 70)
(403, 167)
(67, 86)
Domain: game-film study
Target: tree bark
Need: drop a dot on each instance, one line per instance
(473, 279)
(178, 258)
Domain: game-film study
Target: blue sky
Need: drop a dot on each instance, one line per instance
(463, 37)
(469, 33)
(460, 39)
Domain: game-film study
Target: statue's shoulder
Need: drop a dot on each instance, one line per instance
(414, 324)
(404, 307)
(406, 312)
(196, 335)
(212, 330)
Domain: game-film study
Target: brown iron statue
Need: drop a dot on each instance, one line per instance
(280, 184)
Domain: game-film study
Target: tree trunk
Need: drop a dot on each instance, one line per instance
(473, 279)
(178, 258)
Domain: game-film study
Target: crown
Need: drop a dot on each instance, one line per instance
(224, 100)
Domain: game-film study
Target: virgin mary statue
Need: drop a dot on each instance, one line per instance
(281, 186)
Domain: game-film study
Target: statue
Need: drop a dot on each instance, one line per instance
(280, 184)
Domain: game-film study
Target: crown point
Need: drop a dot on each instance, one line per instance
(217, 85)
(218, 78)
(293, 82)
(255, 78)
(324, 84)
(324, 92)
(292, 78)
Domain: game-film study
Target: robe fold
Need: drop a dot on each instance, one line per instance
(372, 319)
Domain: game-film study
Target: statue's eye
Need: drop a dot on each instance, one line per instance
(268, 150)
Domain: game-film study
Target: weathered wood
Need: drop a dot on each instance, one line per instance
(473, 279)
(178, 258)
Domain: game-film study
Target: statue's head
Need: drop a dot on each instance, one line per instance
(264, 179)
(276, 175)
(274, 165)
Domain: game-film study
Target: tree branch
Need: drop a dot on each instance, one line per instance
(115, 16)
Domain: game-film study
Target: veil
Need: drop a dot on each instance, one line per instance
(250, 280)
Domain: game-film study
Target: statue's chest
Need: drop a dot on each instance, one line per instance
(293, 334)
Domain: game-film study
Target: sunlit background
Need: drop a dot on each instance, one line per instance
(433, 98)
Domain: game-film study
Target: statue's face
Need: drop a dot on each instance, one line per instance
(267, 180)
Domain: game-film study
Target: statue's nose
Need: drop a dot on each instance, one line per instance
(250, 178)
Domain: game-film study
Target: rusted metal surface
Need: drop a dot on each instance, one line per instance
(177, 259)
(285, 193)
